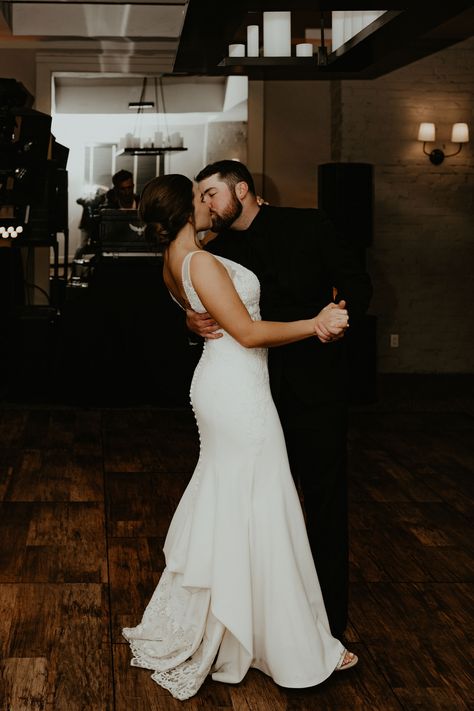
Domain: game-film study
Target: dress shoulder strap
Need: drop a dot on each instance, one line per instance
(191, 295)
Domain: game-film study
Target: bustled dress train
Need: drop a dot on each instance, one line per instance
(239, 589)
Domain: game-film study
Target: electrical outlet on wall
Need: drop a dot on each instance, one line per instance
(394, 340)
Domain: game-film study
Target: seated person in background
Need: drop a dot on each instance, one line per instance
(121, 196)
(90, 204)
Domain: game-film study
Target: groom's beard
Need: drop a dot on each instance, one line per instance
(228, 216)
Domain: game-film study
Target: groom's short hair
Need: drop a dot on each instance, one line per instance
(230, 171)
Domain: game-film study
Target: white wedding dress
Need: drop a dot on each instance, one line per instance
(239, 589)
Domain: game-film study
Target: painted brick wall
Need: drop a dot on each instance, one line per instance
(422, 259)
(297, 128)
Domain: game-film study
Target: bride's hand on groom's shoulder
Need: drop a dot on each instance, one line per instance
(332, 322)
(202, 324)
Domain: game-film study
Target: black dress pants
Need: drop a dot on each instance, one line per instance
(318, 459)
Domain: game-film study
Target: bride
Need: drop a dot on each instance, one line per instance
(239, 589)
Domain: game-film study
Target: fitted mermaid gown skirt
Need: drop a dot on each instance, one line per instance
(239, 589)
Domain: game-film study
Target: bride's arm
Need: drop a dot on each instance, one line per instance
(218, 295)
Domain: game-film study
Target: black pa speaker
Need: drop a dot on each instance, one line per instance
(345, 194)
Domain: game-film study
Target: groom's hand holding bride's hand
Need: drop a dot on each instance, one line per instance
(332, 322)
(202, 324)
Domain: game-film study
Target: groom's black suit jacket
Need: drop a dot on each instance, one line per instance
(299, 257)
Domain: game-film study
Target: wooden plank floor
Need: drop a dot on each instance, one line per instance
(86, 499)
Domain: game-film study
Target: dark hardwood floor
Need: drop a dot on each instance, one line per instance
(88, 493)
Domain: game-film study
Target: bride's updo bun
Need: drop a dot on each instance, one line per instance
(166, 204)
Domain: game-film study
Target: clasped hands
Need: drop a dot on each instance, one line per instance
(332, 322)
(329, 325)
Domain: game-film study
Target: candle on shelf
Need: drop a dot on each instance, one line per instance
(236, 50)
(176, 140)
(305, 49)
(252, 41)
(337, 29)
(277, 34)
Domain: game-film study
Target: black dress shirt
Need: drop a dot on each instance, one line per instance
(299, 258)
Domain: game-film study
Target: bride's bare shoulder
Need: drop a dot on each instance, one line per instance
(202, 260)
(208, 273)
(199, 263)
(202, 254)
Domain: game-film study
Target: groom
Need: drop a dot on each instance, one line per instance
(299, 260)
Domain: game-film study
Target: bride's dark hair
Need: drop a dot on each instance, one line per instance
(166, 204)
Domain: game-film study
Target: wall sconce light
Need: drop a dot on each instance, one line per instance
(427, 134)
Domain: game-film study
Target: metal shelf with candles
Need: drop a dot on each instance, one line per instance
(277, 46)
(392, 40)
(152, 151)
(149, 151)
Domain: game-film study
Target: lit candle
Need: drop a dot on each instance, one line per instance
(305, 49)
(277, 34)
(236, 50)
(252, 41)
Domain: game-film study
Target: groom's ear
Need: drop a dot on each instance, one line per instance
(241, 189)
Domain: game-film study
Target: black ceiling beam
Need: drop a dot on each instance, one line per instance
(204, 37)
